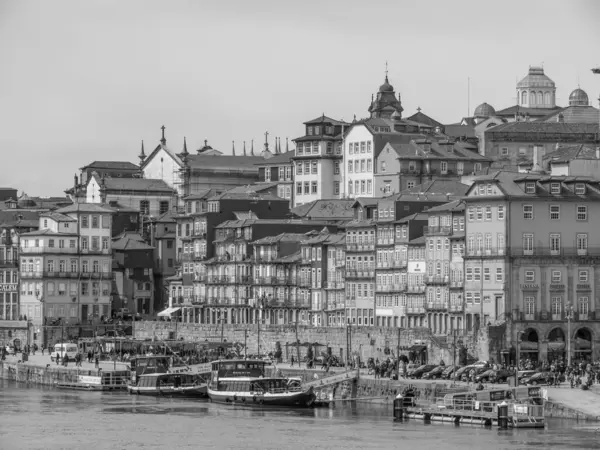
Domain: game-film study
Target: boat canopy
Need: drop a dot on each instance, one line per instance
(168, 312)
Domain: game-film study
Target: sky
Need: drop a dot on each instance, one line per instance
(89, 80)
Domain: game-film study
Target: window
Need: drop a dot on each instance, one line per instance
(488, 213)
(555, 243)
(583, 276)
(313, 187)
(95, 222)
(479, 213)
(555, 188)
(528, 212)
(444, 167)
(580, 188)
(581, 213)
(500, 212)
(369, 187)
(410, 184)
(317, 130)
(104, 243)
(362, 147)
(556, 305)
(299, 168)
(314, 166)
(582, 243)
(50, 243)
(336, 187)
(382, 166)
(85, 221)
(369, 166)
(556, 276)
(477, 298)
(486, 274)
(350, 166)
(522, 151)
(95, 243)
(504, 151)
(529, 188)
(306, 187)
(336, 168)
(145, 207)
(584, 305)
(299, 188)
(529, 305)
(350, 186)
(554, 212)
(529, 276)
(499, 275)
(362, 165)
(163, 207)
(460, 168)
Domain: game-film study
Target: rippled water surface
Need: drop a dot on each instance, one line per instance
(44, 418)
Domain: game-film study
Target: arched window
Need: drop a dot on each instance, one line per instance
(547, 101)
(524, 97)
(532, 98)
(540, 98)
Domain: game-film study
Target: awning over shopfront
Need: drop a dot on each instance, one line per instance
(417, 348)
(168, 312)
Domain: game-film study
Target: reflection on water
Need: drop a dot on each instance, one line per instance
(44, 418)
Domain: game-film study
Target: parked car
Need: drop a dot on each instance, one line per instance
(418, 373)
(501, 376)
(458, 373)
(540, 378)
(448, 371)
(411, 368)
(465, 376)
(523, 374)
(484, 376)
(434, 374)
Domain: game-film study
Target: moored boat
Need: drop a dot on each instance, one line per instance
(104, 381)
(243, 382)
(169, 385)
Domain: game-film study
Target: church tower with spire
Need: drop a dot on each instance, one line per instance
(385, 103)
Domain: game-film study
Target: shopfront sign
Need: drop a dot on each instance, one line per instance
(9, 288)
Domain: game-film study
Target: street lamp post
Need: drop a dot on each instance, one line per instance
(519, 336)
(569, 316)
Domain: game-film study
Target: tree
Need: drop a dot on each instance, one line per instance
(278, 352)
(309, 353)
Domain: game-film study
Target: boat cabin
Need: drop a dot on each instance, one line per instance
(163, 380)
(259, 386)
(238, 368)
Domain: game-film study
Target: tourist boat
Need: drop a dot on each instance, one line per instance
(169, 385)
(104, 381)
(243, 382)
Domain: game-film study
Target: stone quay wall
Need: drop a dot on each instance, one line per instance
(41, 375)
(364, 341)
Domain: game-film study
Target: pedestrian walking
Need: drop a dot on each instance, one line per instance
(292, 365)
(97, 361)
(57, 358)
(42, 349)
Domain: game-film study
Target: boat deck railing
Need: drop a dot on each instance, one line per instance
(514, 409)
(172, 385)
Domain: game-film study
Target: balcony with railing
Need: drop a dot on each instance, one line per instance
(436, 306)
(358, 274)
(399, 263)
(198, 256)
(335, 285)
(547, 251)
(384, 265)
(9, 263)
(385, 241)
(457, 284)
(415, 288)
(244, 279)
(41, 250)
(367, 246)
(436, 279)
(221, 279)
(485, 252)
(456, 308)
(437, 231)
(95, 251)
(414, 310)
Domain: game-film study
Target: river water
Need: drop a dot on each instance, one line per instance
(45, 418)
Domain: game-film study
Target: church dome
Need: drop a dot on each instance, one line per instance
(484, 110)
(536, 78)
(579, 98)
(386, 86)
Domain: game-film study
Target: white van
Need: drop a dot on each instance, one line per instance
(68, 349)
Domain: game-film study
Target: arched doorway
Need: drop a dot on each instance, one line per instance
(529, 347)
(556, 345)
(583, 345)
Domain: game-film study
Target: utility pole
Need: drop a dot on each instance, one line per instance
(398, 355)
(258, 336)
(115, 345)
(297, 341)
(569, 317)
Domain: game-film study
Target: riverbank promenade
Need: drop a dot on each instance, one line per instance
(40, 360)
